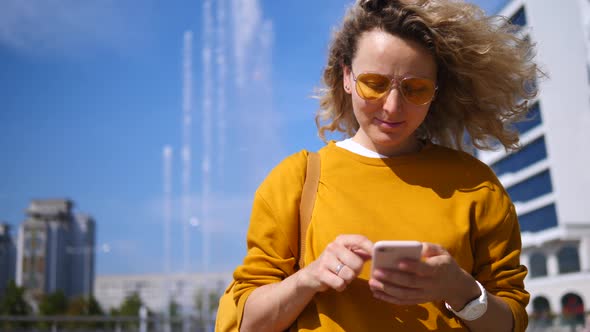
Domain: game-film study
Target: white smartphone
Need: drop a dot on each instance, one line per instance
(386, 254)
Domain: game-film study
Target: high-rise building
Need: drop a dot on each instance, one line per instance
(81, 253)
(548, 178)
(55, 249)
(7, 257)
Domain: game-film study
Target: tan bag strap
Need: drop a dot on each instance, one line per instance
(308, 196)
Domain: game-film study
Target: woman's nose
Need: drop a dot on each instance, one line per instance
(393, 101)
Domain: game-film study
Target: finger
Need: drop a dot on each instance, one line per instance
(349, 251)
(400, 278)
(326, 272)
(328, 260)
(347, 274)
(351, 260)
(344, 255)
(397, 292)
(432, 249)
(333, 269)
(357, 243)
(418, 268)
(333, 281)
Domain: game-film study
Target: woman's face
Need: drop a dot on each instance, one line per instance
(388, 124)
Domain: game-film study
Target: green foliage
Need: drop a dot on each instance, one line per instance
(174, 312)
(94, 307)
(114, 312)
(173, 309)
(13, 301)
(77, 307)
(199, 300)
(80, 306)
(214, 296)
(205, 311)
(53, 303)
(131, 305)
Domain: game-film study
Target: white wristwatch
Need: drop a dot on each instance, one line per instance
(474, 309)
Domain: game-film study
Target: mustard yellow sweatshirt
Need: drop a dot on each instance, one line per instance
(437, 195)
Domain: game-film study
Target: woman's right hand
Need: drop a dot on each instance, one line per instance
(338, 265)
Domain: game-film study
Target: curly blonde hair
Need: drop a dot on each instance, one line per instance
(485, 71)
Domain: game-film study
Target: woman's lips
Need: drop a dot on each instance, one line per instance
(388, 124)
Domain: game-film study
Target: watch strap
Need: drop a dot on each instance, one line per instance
(475, 308)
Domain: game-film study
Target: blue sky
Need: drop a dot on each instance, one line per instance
(91, 92)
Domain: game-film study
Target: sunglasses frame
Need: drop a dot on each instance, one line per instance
(394, 83)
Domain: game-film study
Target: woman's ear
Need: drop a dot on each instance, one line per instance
(346, 79)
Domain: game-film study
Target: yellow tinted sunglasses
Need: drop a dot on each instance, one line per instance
(415, 90)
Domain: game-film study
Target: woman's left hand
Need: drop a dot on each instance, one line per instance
(437, 277)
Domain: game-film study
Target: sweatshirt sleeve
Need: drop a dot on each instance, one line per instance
(497, 245)
(273, 233)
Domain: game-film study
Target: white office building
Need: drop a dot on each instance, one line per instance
(549, 178)
(158, 290)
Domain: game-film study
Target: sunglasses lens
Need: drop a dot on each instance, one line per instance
(418, 91)
(371, 86)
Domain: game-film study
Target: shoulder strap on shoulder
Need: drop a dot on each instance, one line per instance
(308, 195)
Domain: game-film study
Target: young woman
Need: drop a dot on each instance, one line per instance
(406, 81)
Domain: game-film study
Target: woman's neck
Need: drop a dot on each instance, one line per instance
(410, 145)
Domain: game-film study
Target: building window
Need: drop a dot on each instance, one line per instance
(538, 263)
(519, 18)
(528, 155)
(538, 220)
(541, 312)
(568, 260)
(533, 119)
(572, 309)
(533, 187)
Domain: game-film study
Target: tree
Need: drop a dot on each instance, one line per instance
(94, 307)
(205, 311)
(131, 305)
(53, 303)
(214, 296)
(77, 307)
(199, 301)
(13, 301)
(80, 306)
(173, 309)
(174, 315)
